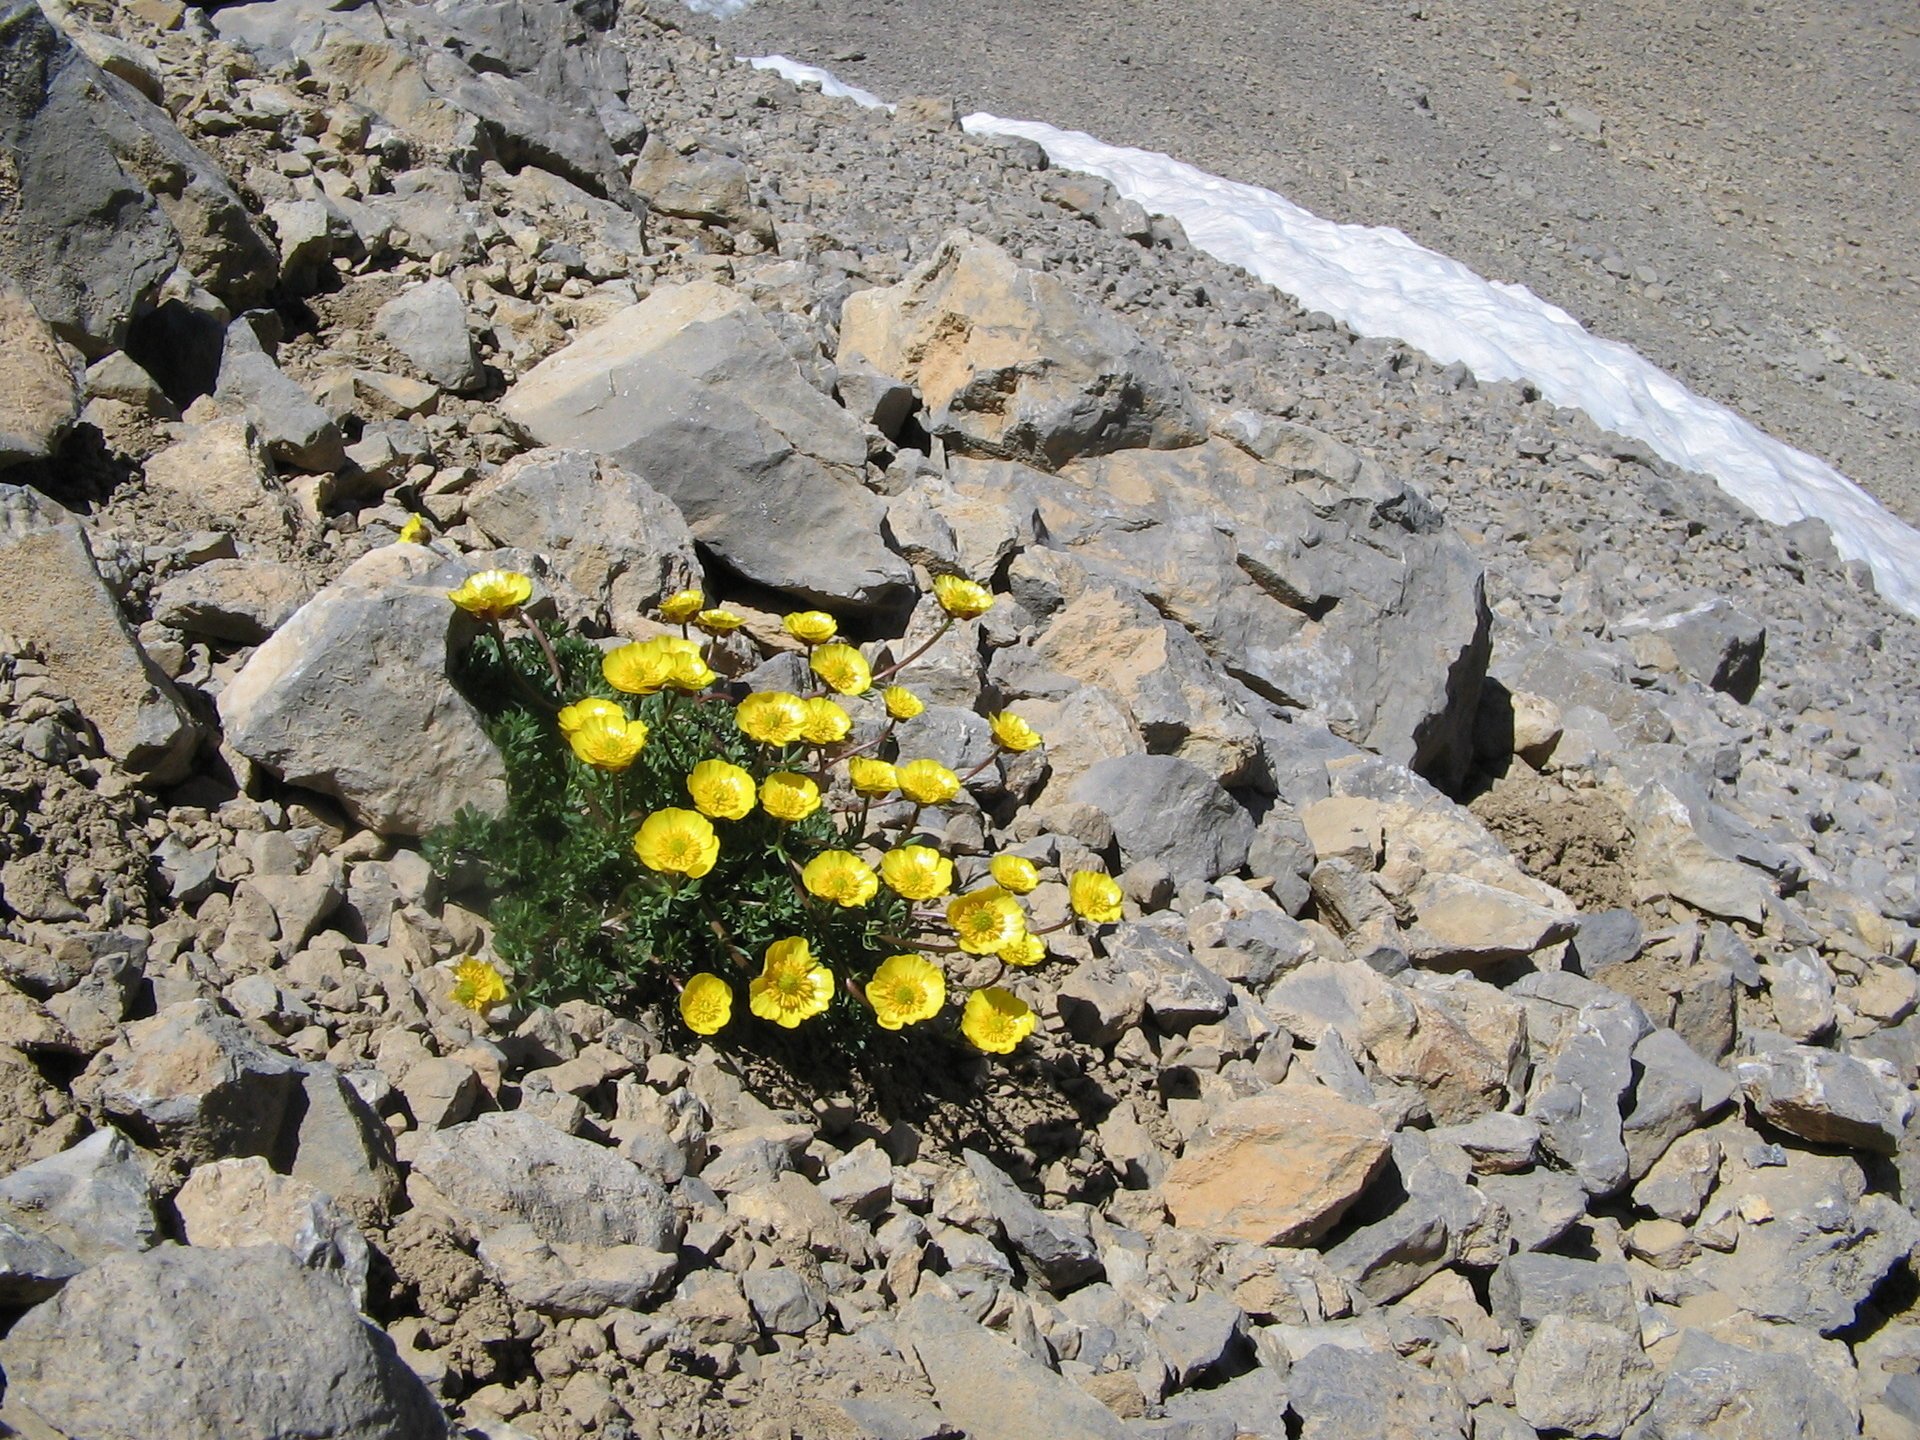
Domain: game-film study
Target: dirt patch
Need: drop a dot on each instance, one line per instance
(1575, 840)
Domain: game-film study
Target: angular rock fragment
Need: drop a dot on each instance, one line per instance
(428, 325)
(1826, 1097)
(693, 391)
(351, 697)
(1168, 810)
(92, 1198)
(1057, 1246)
(39, 395)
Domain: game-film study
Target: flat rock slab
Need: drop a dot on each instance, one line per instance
(1279, 1168)
(693, 391)
(122, 1353)
(39, 397)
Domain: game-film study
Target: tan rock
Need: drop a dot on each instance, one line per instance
(1345, 827)
(1279, 1168)
(229, 1204)
(222, 469)
(39, 396)
(1011, 363)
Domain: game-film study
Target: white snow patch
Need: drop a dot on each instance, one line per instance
(718, 9)
(1380, 283)
(829, 83)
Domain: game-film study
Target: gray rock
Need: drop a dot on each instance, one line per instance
(39, 393)
(1441, 1215)
(351, 697)
(511, 1168)
(697, 184)
(1011, 364)
(1577, 1093)
(56, 603)
(342, 1148)
(563, 1279)
(1607, 937)
(92, 1198)
(32, 1267)
(1709, 641)
(1679, 1182)
(237, 602)
(1717, 1391)
(1180, 992)
(1541, 1205)
(428, 325)
(1582, 1378)
(1341, 1394)
(122, 1353)
(194, 1079)
(1201, 1337)
(1527, 1288)
(293, 426)
(1497, 1143)
(693, 391)
(1800, 988)
(784, 1301)
(1055, 1245)
(1167, 809)
(1101, 1001)
(1825, 1097)
(991, 1389)
(617, 545)
(233, 1204)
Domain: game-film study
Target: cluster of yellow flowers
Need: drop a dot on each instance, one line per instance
(805, 740)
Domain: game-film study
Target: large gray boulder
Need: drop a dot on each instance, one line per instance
(351, 697)
(693, 391)
(428, 325)
(184, 1344)
(107, 196)
(1011, 364)
(617, 545)
(1169, 810)
(92, 1198)
(289, 422)
(1717, 1391)
(55, 602)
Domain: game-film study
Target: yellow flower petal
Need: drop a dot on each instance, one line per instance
(872, 778)
(917, 872)
(477, 985)
(961, 598)
(681, 606)
(719, 622)
(901, 703)
(906, 989)
(721, 790)
(640, 668)
(772, 717)
(491, 594)
(1024, 949)
(1015, 873)
(927, 782)
(1010, 732)
(840, 876)
(607, 742)
(414, 531)
(996, 1020)
(706, 1004)
(678, 842)
(815, 627)
(985, 920)
(787, 796)
(842, 667)
(1095, 897)
(792, 986)
(827, 722)
(572, 717)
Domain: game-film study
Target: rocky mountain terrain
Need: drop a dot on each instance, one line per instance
(1511, 1029)
(1728, 189)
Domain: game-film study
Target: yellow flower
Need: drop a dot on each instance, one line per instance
(787, 796)
(688, 669)
(791, 985)
(1015, 873)
(917, 872)
(984, 920)
(904, 990)
(771, 716)
(927, 782)
(840, 876)
(719, 622)
(901, 703)
(872, 778)
(639, 668)
(1024, 949)
(1095, 897)
(607, 742)
(827, 722)
(677, 841)
(962, 599)
(414, 532)
(996, 1020)
(477, 985)
(816, 627)
(706, 1003)
(682, 606)
(490, 594)
(1010, 732)
(721, 790)
(572, 717)
(842, 667)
